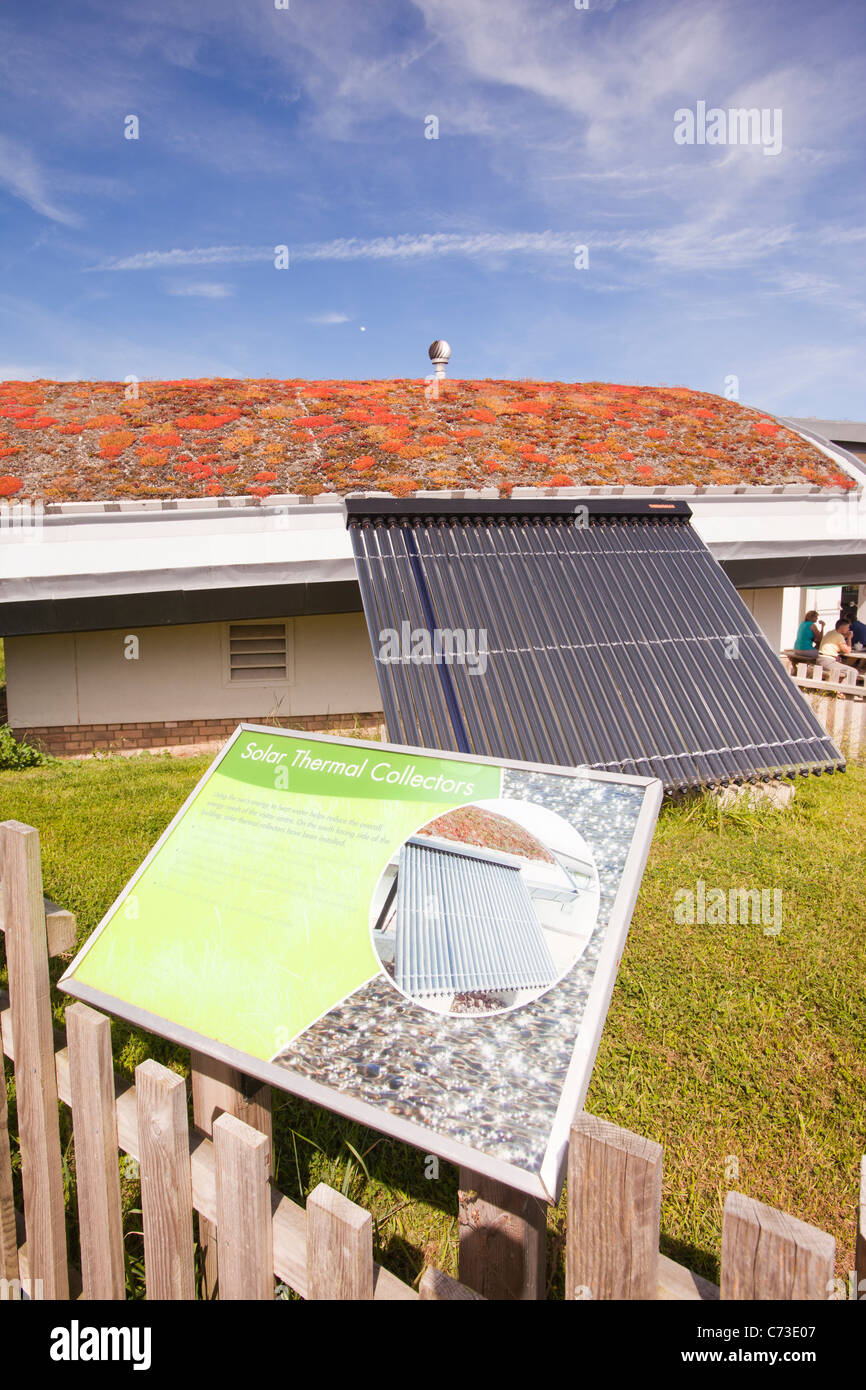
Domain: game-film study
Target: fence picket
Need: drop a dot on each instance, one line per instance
(8, 1235)
(60, 926)
(843, 713)
(339, 1247)
(243, 1199)
(503, 1239)
(94, 1118)
(166, 1183)
(33, 1039)
(860, 1248)
(218, 1089)
(767, 1254)
(614, 1212)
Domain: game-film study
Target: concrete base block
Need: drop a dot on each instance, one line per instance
(758, 796)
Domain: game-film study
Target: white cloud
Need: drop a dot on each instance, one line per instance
(21, 176)
(805, 284)
(204, 289)
(196, 255)
(697, 245)
(326, 319)
(426, 245)
(842, 236)
(408, 246)
(611, 78)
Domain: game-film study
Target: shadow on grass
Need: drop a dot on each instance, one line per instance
(401, 1258)
(693, 1257)
(316, 1145)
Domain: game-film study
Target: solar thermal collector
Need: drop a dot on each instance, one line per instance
(612, 640)
(465, 923)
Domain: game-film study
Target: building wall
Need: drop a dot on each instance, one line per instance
(779, 612)
(185, 734)
(78, 691)
(827, 600)
(772, 610)
(181, 673)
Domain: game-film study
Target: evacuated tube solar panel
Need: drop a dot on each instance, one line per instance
(465, 923)
(618, 644)
(774, 698)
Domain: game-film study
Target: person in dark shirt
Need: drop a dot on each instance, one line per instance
(858, 629)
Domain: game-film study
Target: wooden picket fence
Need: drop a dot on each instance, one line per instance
(251, 1235)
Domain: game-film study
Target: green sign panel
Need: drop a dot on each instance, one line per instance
(251, 918)
(424, 942)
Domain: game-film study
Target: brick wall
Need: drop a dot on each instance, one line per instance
(72, 739)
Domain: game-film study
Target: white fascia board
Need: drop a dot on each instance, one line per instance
(825, 523)
(307, 547)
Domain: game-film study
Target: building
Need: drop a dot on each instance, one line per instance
(153, 595)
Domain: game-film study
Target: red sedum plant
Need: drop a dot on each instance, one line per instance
(79, 440)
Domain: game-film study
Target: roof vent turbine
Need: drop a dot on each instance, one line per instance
(439, 355)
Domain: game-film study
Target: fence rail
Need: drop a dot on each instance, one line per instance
(250, 1233)
(838, 702)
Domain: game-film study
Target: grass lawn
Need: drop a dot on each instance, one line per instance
(740, 1051)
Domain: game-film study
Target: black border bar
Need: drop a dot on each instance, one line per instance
(514, 506)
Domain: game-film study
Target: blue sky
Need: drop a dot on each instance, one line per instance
(305, 127)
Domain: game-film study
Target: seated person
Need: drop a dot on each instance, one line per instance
(858, 629)
(836, 644)
(810, 633)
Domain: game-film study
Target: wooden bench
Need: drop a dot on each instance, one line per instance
(809, 673)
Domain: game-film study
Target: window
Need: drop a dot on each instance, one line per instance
(259, 652)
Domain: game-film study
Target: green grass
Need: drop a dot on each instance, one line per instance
(740, 1052)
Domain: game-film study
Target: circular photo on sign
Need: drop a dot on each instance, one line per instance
(485, 908)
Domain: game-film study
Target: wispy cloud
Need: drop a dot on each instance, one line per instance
(805, 284)
(21, 176)
(693, 245)
(842, 236)
(432, 244)
(556, 130)
(698, 246)
(408, 246)
(203, 289)
(196, 255)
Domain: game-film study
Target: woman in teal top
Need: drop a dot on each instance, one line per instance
(809, 633)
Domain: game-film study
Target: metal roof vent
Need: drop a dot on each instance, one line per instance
(440, 352)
